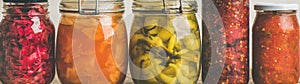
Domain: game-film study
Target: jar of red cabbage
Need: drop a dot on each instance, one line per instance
(27, 43)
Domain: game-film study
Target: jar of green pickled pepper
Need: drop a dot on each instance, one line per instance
(164, 42)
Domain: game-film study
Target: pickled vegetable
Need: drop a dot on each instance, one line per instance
(165, 49)
(92, 49)
(27, 45)
(225, 56)
(276, 48)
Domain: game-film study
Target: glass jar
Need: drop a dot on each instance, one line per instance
(27, 43)
(91, 43)
(164, 43)
(276, 44)
(225, 53)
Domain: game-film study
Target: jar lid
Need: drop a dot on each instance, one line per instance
(276, 7)
(25, 1)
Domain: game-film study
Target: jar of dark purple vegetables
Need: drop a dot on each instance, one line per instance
(276, 44)
(27, 43)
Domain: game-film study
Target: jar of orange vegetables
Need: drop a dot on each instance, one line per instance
(91, 42)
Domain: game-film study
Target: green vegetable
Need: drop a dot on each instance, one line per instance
(157, 51)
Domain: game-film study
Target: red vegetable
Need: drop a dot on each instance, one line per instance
(27, 38)
(276, 48)
(225, 41)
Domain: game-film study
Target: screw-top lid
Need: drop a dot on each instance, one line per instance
(274, 7)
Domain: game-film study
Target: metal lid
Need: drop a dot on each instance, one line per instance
(25, 1)
(276, 7)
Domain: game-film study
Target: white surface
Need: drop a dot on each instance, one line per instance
(55, 16)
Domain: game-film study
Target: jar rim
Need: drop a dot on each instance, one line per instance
(276, 7)
(171, 6)
(102, 6)
(9, 6)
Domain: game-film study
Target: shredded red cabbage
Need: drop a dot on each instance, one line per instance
(27, 53)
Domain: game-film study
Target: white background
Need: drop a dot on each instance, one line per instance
(55, 15)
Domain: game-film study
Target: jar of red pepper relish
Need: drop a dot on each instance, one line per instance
(27, 43)
(91, 42)
(276, 44)
(225, 50)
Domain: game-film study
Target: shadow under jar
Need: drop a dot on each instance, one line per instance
(276, 44)
(164, 43)
(27, 43)
(91, 45)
